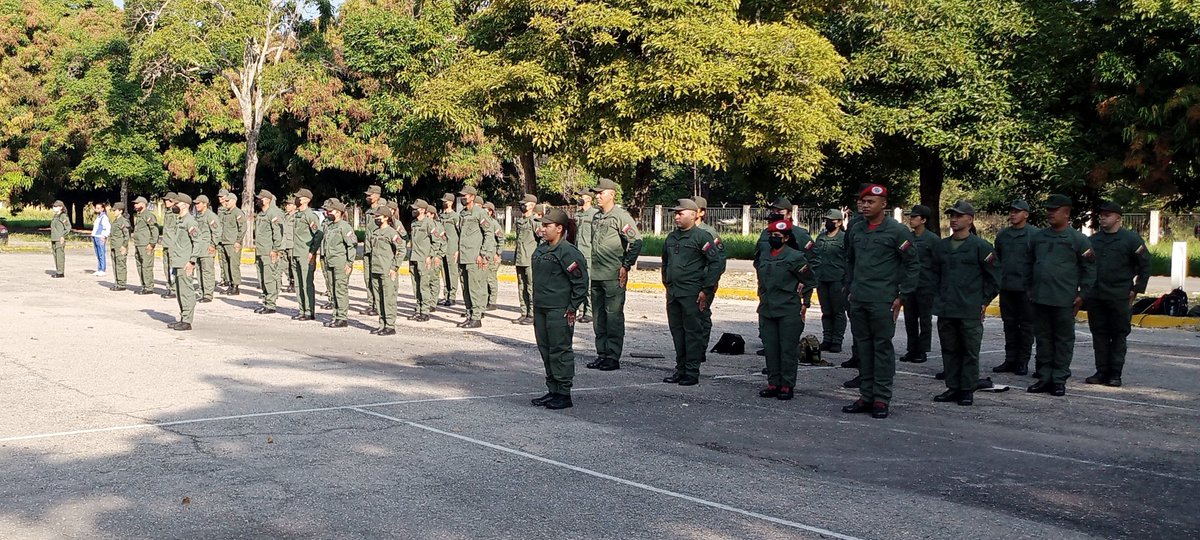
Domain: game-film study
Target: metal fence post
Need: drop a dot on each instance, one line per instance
(746, 219)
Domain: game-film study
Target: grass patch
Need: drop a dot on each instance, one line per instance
(27, 219)
(737, 246)
(1160, 259)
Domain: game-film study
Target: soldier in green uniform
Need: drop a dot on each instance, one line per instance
(785, 285)
(691, 268)
(493, 273)
(326, 271)
(169, 228)
(476, 249)
(583, 241)
(1063, 272)
(118, 245)
(210, 234)
(966, 280)
(1122, 272)
(881, 269)
(386, 244)
(60, 225)
(306, 242)
(289, 242)
(424, 243)
(853, 362)
(268, 247)
(830, 275)
(781, 210)
(339, 248)
(918, 306)
(527, 241)
(374, 200)
(185, 252)
(560, 283)
(233, 230)
(1016, 311)
(449, 219)
(706, 313)
(144, 237)
(616, 244)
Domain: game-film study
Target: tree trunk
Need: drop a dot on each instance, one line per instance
(528, 172)
(248, 192)
(933, 173)
(125, 192)
(639, 196)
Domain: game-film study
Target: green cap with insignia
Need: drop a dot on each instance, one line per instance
(1058, 201)
(1109, 206)
(781, 204)
(685, 204)
(921, 210)
(1020, 205)
(962, 208)
(604, 184)
(834, 214)
(555, 215)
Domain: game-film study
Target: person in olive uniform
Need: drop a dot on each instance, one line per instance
(1016, 311)
(306, 242)
(185, 252)
(527, 241)
(560, 285)
(339, 248)
(616, 244)
(966, 280)
(438, 232)
(1122, 272)
(918, 306)
(691, 268)
(830, 275)
(1063, 272)
(60, 225)
(118, 245)
(476, 249)
(144, 237)
(374, 200)
(385, 266)
(781, 210)
(210, 233)
(170, 220)
(289, 241)
(493, 269)
(881, 269)
(706, 313)
(424, 244)
(450, 221)
(233, 230)
(326, 271)
(583, 240)
(855, 217)
(785, 285)
(268, 247)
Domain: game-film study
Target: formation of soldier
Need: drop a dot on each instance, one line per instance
(577, 269)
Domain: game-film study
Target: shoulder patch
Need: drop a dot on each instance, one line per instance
(804, 269)
(574, 269)
(191, 231)
(707, 246)
(905, 245)
(991, 258)
(627, 228)
(809, 246)
(274, 219)
(1140, 250)
(717, 240)
(1088, 254)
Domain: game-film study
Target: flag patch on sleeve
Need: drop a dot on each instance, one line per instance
(905, 245)
(627, 228)
(991, 258)
(1140, 250)
(707, 246)
(809, 246)
(1089, 254)
(574, 269)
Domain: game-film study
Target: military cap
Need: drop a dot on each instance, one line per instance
(58, 204)
(290, 199)
(201, 199)
(304, 193)
(922, 211)
(118, 206)
(490, 206)
(221, 194)
(140, 200)
(420, 205)
(337, 205)
(685, 204)
(781, 204)
(1020, 205)
(782, 226)
(449, 197)
(555, 215)
(229, 195)
(604, 184)
(701, 202)
(585, 192)
(183, 198)
(1058, 201)
(374, 212)
(374, 190)
(1109, 206)
(329, 202)
(170, 196)
(393, 206)
(834, 214)
(872, 190)
(468, 190)
(264, 194)
(528, 198)
(961, 207)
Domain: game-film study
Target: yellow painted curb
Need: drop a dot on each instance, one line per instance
(1138, 321)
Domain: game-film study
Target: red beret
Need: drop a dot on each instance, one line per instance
(873, 190)
(782, 226)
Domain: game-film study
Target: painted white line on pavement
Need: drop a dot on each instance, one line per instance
(1098, 464)
(760, 375)
(936, 356)
(596, 474)
(1085, 396)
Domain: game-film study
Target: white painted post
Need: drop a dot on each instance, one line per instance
(658, 219)
(745, 219)
(1155, 226)
(357, 217)
(508, 219)
(1087, 228)
(796, 215)
(898, 214)
(1179, 264)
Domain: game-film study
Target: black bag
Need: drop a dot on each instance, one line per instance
(730, 344)
(1146, 306)
(1175, 303)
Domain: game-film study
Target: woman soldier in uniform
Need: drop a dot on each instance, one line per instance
(560, 284)
(386, 244)
(785, 285)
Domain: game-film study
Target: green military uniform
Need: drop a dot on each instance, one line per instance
(268, 248)
(210, 233)
(169, 228)
(386, 244)
(830, 275)
(187, 247)
(144, 237)
(706, 314)
(583, 241)
(286, 254)
(690, 266)
(881, 266)
(326, 271)
(1016, 311)
(475, 239)
(60, 225)
(918, 306)
(560, 284)
(450, 224)
(339, 248)
(306, 241)
(424, 244)
(118, 248)
(1063, 267)
(803, 240)
(966, 280)
(233, 229)
(780, 275)
(438, 231)
(370, 228)
(1122, 267)
(493, 270)
(616, 244)
(527, 241)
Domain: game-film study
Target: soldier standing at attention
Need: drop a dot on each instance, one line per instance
(1012, 247)
(966, 280)
(326, 271)
(233, 230)
(1122, 272)
(209, 226)
(560, 284)
(616, 244)
(339, 248)
(1063, 272)
(918, 306)
(691, 268)
(60, 225)
(170, 220)
(118, 246)
(374, 200)
(706, 313)
(186, 250)
(781, 210)
(527, 241)
(830, 276)
(881, 269)
(583, 241)
(449, 219)
(476, 249)
(784, 295)
(423, 245)
(289, 244)
(385, 266)
(144, 237)
(268, 246)
(493, 273)
(306, 242)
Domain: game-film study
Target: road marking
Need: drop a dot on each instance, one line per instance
(760, 375)
(981, 353)
(619, 480)
(1086, 396)
(1097, 463)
